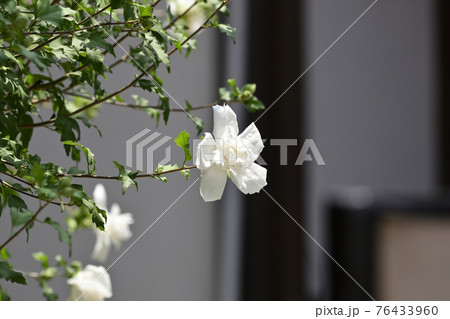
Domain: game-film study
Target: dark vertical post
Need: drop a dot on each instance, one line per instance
(443, 118)
(273, 244)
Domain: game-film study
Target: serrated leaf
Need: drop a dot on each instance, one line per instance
(90, 157)
(228, 30)
(183, 141)
(54, 14)
(19, 219)
(126, 177)
(98, 215)
(7, 273)
(63, 235)
(160, 53)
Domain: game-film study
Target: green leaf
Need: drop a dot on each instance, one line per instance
(164, 168)
(20, 219)
(26, 133)
(98, 215)
(74, 170)
(228, 30)
(41, 257)
(90, 158)
(183, 141)
(7, 273)
(6, 55)
(160, 53)
(54, 14)
(4, 295)
(48, 292)
(4, 254)
(63, 235)
(254, 105)
(116, 4)
(126, 176)
(198, 123)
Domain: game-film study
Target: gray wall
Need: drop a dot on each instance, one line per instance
(174, 259)
(370, 102)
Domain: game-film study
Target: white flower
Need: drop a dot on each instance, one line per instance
(117, 227)
(227, 154)
(90, 284)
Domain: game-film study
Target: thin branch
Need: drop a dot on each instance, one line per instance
(118, 177)
(132, 83)
(171, 23)
(101, 25)
(156, 107)
(24, 226)
(32, 195)
(79, 23)
(16, 178)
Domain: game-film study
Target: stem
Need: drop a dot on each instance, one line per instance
(156, 107)
(171, 23)
(86, 28)
(24, 226)
(79, 23)
(32, 195)
(118, 177)
(132, 83)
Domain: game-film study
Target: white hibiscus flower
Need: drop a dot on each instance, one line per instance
(225, 153)
(90, 284)
(117, 227)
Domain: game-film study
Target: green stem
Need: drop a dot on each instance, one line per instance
(24, 226)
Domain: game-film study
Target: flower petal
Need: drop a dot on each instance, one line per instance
(99, 196)
(225, 123)
(102, 247)
(212, 183)
(251, 141)
(205, 152)
(249, 179)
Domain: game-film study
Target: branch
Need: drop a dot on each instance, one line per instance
(132, 83)
(24, 226)
(118, 177)
(101, 25)
(32, 195)
(156, 107)
(171, 23)
(79, 23)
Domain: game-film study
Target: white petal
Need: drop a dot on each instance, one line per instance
(251, 141)
(91, 283)
(205, 152)
(225, 123)
(99, 196)
(249, 179)
(115, 209)
(212, 183)
(102, 247)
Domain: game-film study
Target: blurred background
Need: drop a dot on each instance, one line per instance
(375, 106)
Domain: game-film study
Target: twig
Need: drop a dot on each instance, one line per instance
(32, 195)
(24, 226)
(87, 28)
(132, 83)
(156, 107)
(118, 177)
(171, 23)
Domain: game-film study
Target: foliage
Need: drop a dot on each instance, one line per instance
(52, 59)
